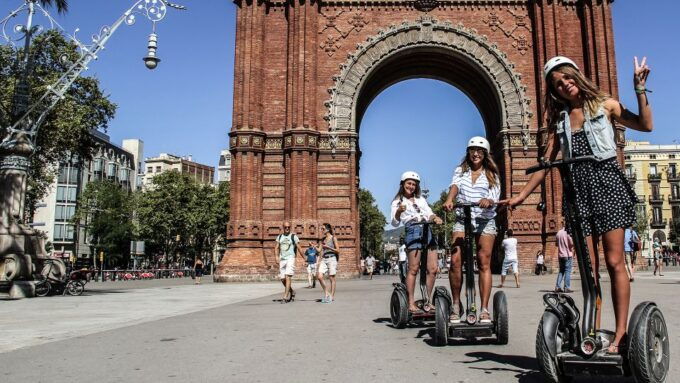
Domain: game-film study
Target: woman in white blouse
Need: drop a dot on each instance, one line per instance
(476, 180)
(411, 209)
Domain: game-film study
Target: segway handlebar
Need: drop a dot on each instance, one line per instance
(545, 164)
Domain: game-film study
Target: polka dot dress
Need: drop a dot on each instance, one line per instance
(604, 197)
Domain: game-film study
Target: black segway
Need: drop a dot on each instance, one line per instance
(399, 300)
(469, 327)
(565, 349)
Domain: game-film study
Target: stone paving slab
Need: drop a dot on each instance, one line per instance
(112, 305)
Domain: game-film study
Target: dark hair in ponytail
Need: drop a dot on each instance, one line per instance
(329, 228)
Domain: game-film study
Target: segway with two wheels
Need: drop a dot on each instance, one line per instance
(565, 347)
(470, 326)
(399, 312)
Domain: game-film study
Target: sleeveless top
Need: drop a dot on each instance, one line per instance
(326, 252)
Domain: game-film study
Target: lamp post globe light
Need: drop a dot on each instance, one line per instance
(22, 253)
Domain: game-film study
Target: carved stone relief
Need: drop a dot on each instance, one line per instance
(335, 32)
(426, 31)
(516, 26)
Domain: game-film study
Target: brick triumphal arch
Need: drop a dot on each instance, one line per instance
(305, 73)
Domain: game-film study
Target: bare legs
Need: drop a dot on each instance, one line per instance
(620, 284)
(413, 267)
(325, 287)
(287, 289)
(484, 247)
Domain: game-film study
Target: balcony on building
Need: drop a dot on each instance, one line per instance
(673, 199)
(631, 177)
(656, 198)
(658, 224)
(673, 176)
(654, 177)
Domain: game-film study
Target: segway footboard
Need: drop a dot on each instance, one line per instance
(477, 330)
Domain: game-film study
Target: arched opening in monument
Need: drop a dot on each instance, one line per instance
(420, 75)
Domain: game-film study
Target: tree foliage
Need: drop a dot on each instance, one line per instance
(66, 129)
(371, 223)
(442, 232)
(107, 212)
(181, 218)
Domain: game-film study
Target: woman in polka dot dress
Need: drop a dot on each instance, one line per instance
(580, 119)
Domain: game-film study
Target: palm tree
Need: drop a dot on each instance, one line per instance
(62, 5)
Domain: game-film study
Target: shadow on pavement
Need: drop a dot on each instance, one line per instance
(524, 367)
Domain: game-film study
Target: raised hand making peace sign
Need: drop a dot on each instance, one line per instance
(641, 73)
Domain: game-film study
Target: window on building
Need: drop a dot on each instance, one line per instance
(158, 169)
(626, 157)
(64, 212)
(652, 156)
(657, 216)
(149, 169)
(63, 232)
(629, 171)
(676, 212)
(672, 171)
(66, 194)
(655, 191)
(671, 156)
(652, 169)
(675, 191)
(98, 165)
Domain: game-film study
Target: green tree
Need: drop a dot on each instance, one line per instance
(182, 219)
(107, 211)
(371, 223)
(66, 129)
(641, 224)
(442, 232)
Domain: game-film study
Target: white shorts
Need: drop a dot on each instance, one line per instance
(286, 267)
(329, 265)
(369, 269)
(311, 268)
(507, 263)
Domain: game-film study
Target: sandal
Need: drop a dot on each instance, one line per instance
(485, 316)
(455, 314)
(415, 311)
(427, 308)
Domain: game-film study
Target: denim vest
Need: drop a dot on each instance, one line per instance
(599, 133)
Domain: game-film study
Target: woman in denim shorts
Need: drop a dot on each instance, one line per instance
(476, 180)
(411, 209)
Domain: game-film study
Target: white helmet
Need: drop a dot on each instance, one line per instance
(410, 175)
(556, 62)
(479, 142)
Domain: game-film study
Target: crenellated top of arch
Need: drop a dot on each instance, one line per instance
(428, 32)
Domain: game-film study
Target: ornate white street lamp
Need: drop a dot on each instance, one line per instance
(21, 249)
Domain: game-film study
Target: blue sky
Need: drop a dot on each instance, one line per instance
(184, 106)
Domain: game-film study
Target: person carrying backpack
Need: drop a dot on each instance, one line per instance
(286, 249)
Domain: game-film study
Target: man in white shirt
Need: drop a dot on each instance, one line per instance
(510, 249)
(402, 261)
(370, 262)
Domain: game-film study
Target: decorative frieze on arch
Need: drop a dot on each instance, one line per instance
(428, 32)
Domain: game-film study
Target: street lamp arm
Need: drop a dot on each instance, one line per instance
(57, 90)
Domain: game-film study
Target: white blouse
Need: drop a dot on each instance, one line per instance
(469, 192)
(416, 211)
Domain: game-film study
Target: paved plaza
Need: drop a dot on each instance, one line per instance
(173, 331)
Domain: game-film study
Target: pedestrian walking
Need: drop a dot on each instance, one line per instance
(286, 249)
(630, 242)
(198, 270)
(580, 120)
(411, 209)
(370, 263)
(330, 251)
(510, 261)
(311, 255)
(540, 263)
(402, 261)
(565, 256)
(475, 180)
(656, 248)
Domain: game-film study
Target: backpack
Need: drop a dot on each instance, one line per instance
(292, 238)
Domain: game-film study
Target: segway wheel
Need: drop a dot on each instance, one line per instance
(441, 315)
(75, 288)
(546, 363)
(399, 308)
(649, 348)
(42, 289)
(500, 317)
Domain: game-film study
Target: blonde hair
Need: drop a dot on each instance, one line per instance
(489, 165)
(592, 96)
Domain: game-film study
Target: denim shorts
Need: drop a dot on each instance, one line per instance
(414, 236)
(480, 226)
